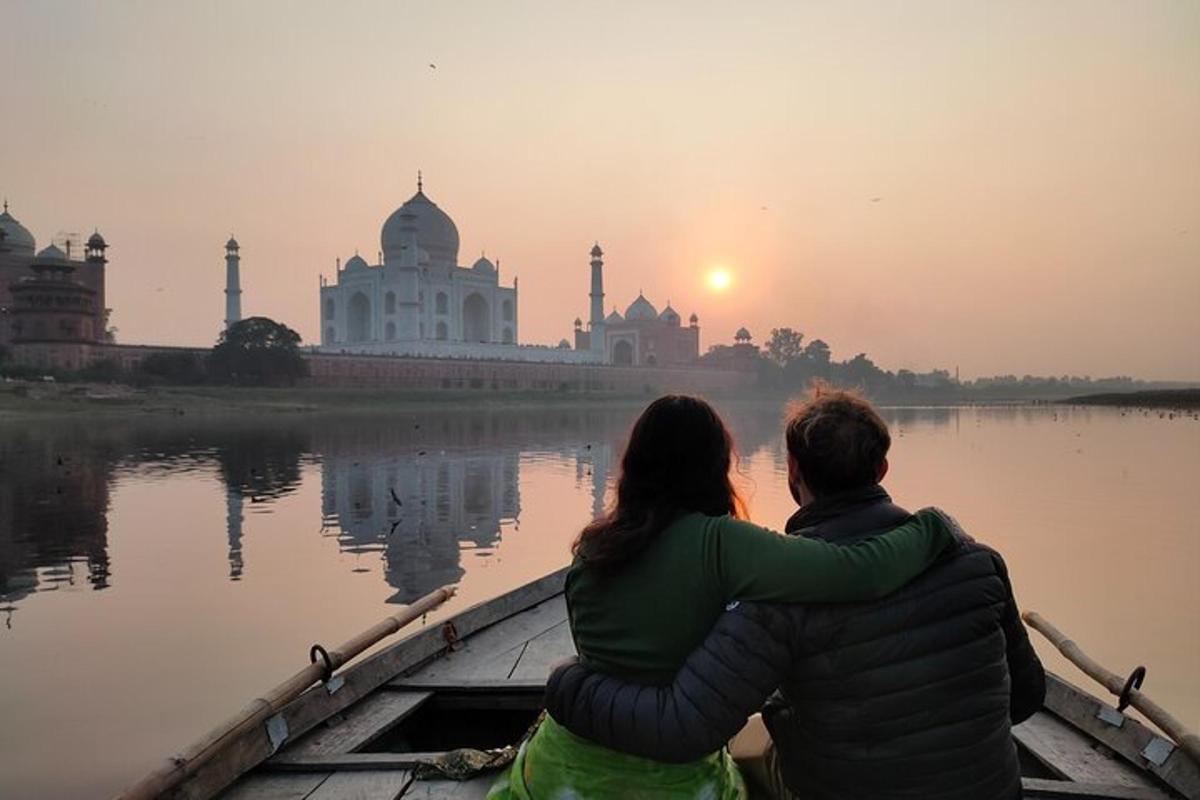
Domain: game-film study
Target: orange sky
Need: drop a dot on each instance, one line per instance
(1037, 164)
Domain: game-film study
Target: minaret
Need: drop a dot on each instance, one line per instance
(233, 283)
(596, 324)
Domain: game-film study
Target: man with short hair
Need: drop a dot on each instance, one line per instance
(910, 696)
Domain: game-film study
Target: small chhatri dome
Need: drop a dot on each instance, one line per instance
(614, 318)
(231, 244)
(96, 241)
(694, 319)
(16, 236)
(483, 265)
(669, 315)
(578, 323)
(742, 335)
(596, 251)
(356, 262)
(641, 309)
(51, 253)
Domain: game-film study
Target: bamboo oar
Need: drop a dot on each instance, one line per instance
(182, 766)
(1187, 740)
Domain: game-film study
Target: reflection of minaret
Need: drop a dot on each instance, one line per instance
(233, 526)
(593, 461)
(233, 283)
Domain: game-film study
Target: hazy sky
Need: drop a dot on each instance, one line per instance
(1037, 164)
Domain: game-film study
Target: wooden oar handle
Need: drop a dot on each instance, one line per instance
(1175, 729)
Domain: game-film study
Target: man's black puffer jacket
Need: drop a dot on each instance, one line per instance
(910, 696)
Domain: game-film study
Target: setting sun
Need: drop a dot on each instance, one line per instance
(719, 279)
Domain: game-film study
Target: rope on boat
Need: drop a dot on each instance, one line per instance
(179, 768)
(1124, 688)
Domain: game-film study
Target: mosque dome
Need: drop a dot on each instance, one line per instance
(356, 262)
(16, 236)
(669, 315)
(436, 232)
(51, 253)
(614, 318)
(641, 309)
(483, 265)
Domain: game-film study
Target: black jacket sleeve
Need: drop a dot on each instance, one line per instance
(718, 687)
(1025, 670)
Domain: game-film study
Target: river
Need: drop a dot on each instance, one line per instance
(157, 573)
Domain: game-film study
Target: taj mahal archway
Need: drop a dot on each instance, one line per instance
(622, 354)
(358, 321)
(476, 319)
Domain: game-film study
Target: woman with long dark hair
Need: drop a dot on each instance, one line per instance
(650, 578)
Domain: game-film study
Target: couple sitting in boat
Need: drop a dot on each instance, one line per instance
(886, 646)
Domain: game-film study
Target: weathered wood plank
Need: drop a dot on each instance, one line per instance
(348, 762)
(1071, 755)
(1079, 708)
(276, 787)
(365, 785)
(543, 651)
(363, 722)
(474, 789)
(474, 686)
(301, 715)
(1042, 789)
(493, 653)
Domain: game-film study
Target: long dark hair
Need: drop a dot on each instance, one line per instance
(677, 461)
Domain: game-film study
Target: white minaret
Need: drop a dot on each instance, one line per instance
(233, 283)
(596, 324)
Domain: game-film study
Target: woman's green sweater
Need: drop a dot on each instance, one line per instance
(640, 621)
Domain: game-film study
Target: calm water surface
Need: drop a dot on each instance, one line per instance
(156, 575)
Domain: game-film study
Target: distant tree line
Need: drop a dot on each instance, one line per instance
(789, 364)
(256, 351)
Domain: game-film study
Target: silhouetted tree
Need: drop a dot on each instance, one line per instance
(785, 346)
(257, 352)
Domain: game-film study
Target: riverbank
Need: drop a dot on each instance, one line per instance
(35, 400)
(1174, 399)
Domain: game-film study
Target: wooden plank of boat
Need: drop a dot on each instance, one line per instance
(363, 722)
(475, 789)
(318, 704)
(1130, 739)
(493, 653)
(374, 785)
(277, 787)
(1071, 756)
(543, 651)
(1043, 789)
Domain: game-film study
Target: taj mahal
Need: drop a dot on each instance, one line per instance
(419, 301)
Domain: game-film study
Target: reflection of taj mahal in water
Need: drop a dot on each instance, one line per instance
(426, 514)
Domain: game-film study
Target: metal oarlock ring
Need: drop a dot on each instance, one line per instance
(1134, 681)
(317, 650)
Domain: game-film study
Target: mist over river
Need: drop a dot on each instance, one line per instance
(155, 574)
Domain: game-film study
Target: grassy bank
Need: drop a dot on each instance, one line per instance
(1165, 398)
(23, 400)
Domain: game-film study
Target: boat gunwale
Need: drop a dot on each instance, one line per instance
(356, 682)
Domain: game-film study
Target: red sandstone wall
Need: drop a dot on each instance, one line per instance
(427, 374)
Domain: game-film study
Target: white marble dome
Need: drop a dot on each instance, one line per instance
(436, 232)
(16, 236)
(355, 262)
(483, 265)
(641, 309)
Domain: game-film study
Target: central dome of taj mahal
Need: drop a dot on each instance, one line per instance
(437, 234)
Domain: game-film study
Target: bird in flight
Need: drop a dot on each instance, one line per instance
(876, 199)
(432, 66)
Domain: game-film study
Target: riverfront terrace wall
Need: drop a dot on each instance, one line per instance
(338, 370)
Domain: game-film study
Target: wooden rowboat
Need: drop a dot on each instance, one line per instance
(477, 681)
